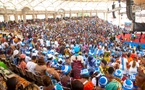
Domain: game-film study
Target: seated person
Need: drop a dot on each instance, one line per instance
(41, 66)
(52, 73)
(77, 85)
(48, 85)
(32, 87)
(16, 83)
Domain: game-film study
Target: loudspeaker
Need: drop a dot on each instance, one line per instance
(113, 13)
(130, 15)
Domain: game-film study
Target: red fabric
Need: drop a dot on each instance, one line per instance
(124, 78)
(89, 86)
(22, 65)
(35, 40)
(133, 55)
(76, 69)
(3, 40)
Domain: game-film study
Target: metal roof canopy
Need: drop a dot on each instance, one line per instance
(55, 5)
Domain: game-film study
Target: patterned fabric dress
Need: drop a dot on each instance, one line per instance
(76, 69)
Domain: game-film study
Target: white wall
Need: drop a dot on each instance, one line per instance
(1, 18)
(28, 16)
(41, 16)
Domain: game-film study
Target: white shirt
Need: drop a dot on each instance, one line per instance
(94, 79)
(47, 43)
(3, 45)
(79, 58)
(41, 41)
(125, 61)
(27, 59)
(133, 70)
(56, 44)
(31, 66)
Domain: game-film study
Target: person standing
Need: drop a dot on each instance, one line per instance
(114, 78)
(77, 63)
(123, 64)
(140, 77)
(88, 85)
(133, 66)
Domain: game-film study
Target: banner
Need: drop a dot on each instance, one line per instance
(127, 25)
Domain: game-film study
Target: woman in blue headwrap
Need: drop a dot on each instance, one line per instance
(77, 63)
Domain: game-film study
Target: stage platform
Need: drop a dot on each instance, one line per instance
(133, 42)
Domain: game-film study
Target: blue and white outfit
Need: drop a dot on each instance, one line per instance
(91, 64)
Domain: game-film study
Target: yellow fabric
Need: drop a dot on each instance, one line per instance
(33, 43)
(15, 33)
(16, 40)
(3, 28)
(97, 25)
(104, 70)
(66, 51)
(12, 47)
(134, 48)
(107, 59)
(1, 35)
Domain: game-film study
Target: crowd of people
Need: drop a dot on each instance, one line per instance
(73, 54)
